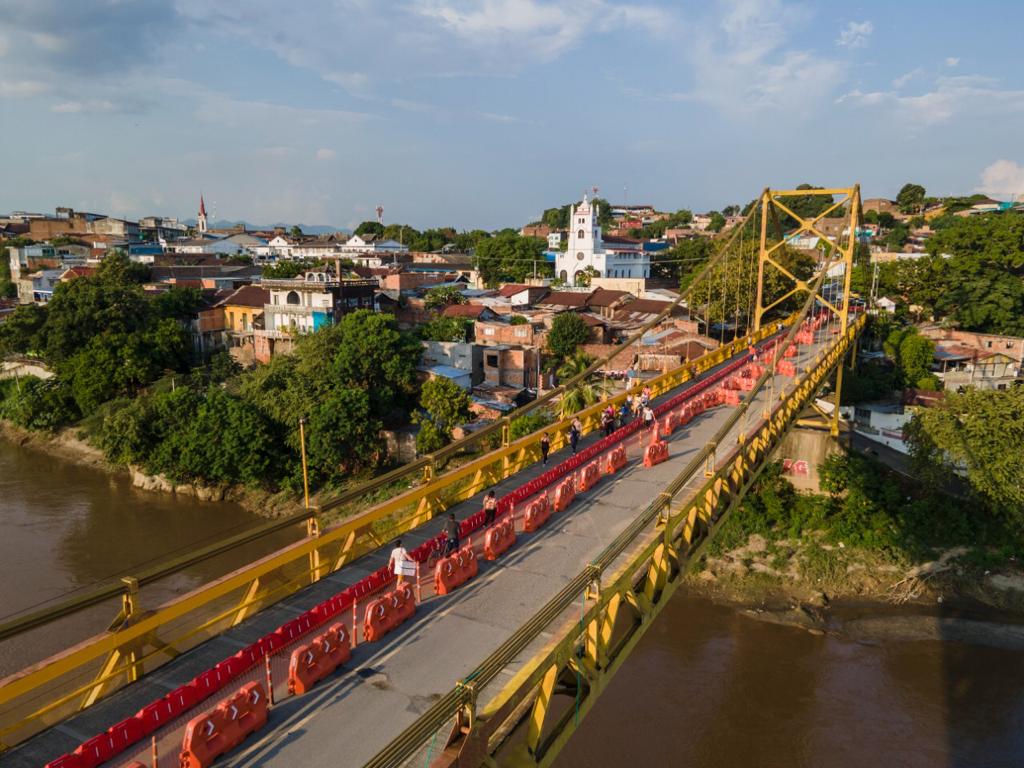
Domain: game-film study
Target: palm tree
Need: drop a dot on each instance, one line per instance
(583, 393)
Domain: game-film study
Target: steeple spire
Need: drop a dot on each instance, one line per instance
(202, 213)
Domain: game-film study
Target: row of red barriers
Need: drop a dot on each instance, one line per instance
(313, 661)
(118, 738)
(387, 612)
(224, 727)
(500, 538)
(455, 570)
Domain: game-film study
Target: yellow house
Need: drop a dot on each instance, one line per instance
(243, 314)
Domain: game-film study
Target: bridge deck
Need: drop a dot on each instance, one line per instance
(353, 714)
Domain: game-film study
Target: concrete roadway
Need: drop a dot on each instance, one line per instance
(349, 717)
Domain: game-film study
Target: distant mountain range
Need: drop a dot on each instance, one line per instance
(309, 229)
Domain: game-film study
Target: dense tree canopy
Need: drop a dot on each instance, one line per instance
(980, 431)
(507, 257)
(910, 198)
(568, 331)
(442, 296)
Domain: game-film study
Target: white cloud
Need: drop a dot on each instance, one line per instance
(905, 78)
(855, 34)
(743, 62)
(19, 88)
(950, 97)
(92, 105)
(952, 61)
(1003, 179)
(541, 30)
(326, 154)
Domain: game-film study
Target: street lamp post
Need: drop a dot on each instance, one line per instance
(305, 468)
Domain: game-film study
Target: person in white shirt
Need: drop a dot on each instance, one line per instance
(400, 563)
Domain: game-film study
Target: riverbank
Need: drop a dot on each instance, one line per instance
(864, 595)
(65, 444)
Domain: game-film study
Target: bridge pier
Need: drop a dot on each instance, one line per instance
(801, 451)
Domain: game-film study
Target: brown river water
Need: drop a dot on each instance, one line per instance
(67, 528)
(709, 686)
(706, 686)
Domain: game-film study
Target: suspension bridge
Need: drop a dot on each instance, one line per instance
(494, 654)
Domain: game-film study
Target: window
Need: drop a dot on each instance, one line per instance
(488, 331)
(521, 332)
(292, 297)
(245, 321)
(580, 235)
(988, 344)
(492, 361)
(231, 319)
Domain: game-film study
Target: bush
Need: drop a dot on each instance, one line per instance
(429, 438)
(521, 426)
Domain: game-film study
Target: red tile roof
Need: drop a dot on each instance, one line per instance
(247, 296)
(510, 290)
(602, 297)
(566, 299)
(472, 311)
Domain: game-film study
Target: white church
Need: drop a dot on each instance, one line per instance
(617, 257)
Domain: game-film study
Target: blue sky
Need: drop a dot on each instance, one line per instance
(451, 112)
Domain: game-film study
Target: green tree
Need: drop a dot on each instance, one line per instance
(913, 355)
(508, 257)
(897, 237)
(717, 222)
(584, 277)
(521, 426)
(583, 393)
(445, 329)
(20, 333)
(430, 438)
(370, 352)
(370, 228)
(975, 430)
(446, 403)
(443, 296)
(568, 331)
(910, 198)
(8, 290)
(295, 231)
(343, 435)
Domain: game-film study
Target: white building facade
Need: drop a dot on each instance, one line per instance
(621, 258)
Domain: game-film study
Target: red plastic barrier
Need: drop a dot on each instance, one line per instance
(655, 453)
(791, 351)
(312, 662)
(224, 727)
(731, 397)
(670, 423)
(565, 493)
(499, 539)
(590, 476)
(455, 570)
(616, 459)
(537, 513)
(786, 368)
(65, 761)
(387, 612)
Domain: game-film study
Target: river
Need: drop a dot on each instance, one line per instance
(709, 686)
(67, 528)
(706, 686)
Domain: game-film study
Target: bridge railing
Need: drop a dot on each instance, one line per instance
(600, 615)
(62, 685)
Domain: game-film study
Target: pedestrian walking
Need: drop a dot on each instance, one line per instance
(490, 508)
(648, 417)
(624, 414)
(545, 447)
(607, 423)
(574, 435)
(401, 564)
(451, 534)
